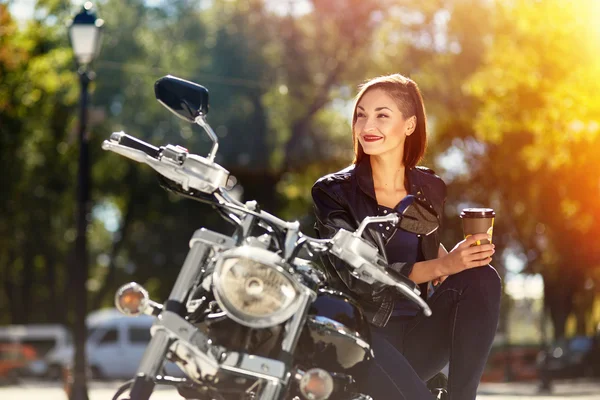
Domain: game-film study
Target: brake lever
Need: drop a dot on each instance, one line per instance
(364, 258)
(392, 278)
(398, 276)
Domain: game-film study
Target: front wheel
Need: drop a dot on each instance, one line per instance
(137, 388)
(122, 389)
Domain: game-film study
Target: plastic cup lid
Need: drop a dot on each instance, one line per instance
(477, 213)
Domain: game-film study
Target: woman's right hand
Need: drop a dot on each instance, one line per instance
(467, 254)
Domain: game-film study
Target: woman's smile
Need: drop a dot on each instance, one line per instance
(371, 138)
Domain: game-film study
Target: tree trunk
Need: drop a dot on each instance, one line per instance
(10, 289)
(27, 279)
(581, 323)
(559, 293)
(55, 308)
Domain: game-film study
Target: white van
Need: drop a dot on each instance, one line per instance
(115, 346)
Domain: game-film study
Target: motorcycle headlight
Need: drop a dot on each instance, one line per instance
(254, 289)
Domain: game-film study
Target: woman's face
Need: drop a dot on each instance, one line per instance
(380, 125)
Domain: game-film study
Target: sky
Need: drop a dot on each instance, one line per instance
(22, 9)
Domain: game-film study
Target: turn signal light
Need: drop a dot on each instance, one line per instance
(131, 299)
(316, 384)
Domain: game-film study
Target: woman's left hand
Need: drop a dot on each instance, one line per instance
(438, 281)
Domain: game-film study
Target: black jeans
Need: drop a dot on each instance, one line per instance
(409, 351)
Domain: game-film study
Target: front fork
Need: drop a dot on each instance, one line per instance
(275, 390)
(156, 351)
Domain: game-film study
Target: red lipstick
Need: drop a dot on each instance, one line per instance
(371, 138)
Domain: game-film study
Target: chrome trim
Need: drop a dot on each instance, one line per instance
(261, 241)
(311, 273)
(271, 391)
(144, 302)
(154, 355)
(201, 174)
(203, 360)
(339, 293)
(393, 218)
(153, 308)
(330, 327)
(194, 172)
(266, 258)
(216, 240)
(226, 200)
(293, 328)
(361, 396)
(190, 271)
(351, 248)
(201, 120)
(256, 366)
(291, 238)
(365, 261)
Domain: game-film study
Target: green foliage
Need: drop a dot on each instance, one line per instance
(37, 98)
(537, 115)
(510, 89)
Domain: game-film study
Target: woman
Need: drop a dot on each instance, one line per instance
(389, 134)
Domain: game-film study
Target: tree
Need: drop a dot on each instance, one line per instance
(36, 100)
(538, 119)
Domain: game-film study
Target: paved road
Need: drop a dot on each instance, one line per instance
(490, 391)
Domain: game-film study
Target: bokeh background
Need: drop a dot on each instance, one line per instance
(511, 91)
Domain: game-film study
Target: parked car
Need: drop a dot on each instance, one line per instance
(14, 357)
(115, 346)
(519, 361)
(576, 357)
(41, 337)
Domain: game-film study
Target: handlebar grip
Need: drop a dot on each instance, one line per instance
(129, 141)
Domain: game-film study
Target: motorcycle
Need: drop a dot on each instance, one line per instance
(248, 317)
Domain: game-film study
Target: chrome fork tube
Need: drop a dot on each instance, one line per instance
(190, 272)
(271, 390)
(293, 328)
(156, 351)
(152, 362)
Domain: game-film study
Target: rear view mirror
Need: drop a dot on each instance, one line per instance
(416, 216)
(183, 98)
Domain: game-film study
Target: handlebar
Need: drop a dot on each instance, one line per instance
(191, 171)
(129, 141)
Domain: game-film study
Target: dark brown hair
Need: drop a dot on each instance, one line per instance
(407, 96)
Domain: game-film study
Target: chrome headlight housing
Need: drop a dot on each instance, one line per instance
(254, 288)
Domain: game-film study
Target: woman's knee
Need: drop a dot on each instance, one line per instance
(485, 277)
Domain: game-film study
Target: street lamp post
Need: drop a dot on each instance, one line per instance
(85, 34)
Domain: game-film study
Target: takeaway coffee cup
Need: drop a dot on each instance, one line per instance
(478, 220)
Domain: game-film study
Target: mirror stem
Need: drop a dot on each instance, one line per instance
(200, 120)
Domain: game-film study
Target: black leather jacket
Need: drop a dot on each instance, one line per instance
(343, 199)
